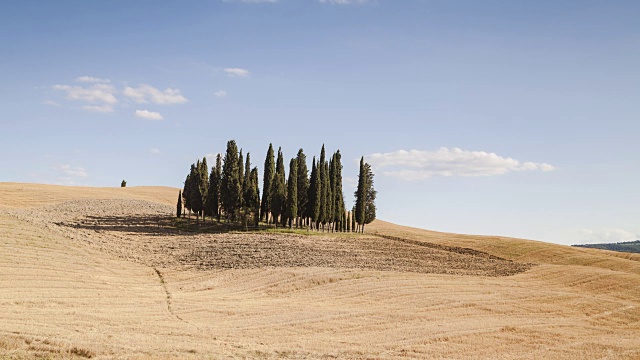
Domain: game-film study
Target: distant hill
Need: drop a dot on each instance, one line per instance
(629, 246)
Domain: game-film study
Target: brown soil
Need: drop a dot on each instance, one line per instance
(141, 231)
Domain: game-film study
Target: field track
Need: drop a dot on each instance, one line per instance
(93, 272)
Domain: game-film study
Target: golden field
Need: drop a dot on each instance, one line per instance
(94, 272)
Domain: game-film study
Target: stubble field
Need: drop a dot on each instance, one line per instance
(100, 273)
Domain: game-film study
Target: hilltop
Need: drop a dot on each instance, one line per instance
(101, 272)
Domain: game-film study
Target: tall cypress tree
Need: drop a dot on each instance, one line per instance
(216, 188)
(247, 187)
(314, 195)
(360, 195)
(353, 219)
(247, 176)
(194, 197)
(278, 190)
(292, 192)
(338, 197)
(269, 173)
(195, 193)
(179, 204)
(241, 176)
(322, 182)
(255, 194)
(370, 197)
(328, 198)
(212, 203)
(187, 189)
(203, 184)
(231, 191)
(303, 185)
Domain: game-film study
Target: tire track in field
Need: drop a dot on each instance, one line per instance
(169, 297)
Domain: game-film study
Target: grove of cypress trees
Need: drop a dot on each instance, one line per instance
(269, 173)
(230, 190)
(179, 204)
(278, 190)
(303, 185)
(292, 192)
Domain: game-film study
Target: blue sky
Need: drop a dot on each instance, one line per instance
(517, 118)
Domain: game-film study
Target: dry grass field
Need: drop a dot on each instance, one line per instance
(98, 273)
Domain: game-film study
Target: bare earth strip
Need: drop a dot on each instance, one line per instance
(88, 272)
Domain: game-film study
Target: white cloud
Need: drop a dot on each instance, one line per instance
(91, 79)
(237, 72)
(595, 236)
(154, 151)
(103, 93)
(149, 115)
(98, 108)
(417, 164)
(51, 103)
(220, 93)
(147, 93)
(344, 2)
(71, 171)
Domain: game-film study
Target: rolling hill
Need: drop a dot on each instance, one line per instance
(97, 272)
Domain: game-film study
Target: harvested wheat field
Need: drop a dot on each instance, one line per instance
(100, 273)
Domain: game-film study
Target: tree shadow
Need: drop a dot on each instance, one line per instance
(157, 225)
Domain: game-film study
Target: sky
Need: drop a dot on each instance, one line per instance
(513, 118)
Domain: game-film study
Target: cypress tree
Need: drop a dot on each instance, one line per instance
(179, 205)
(328, 198)
(278, 190)
(230, 191)
(322, 182)
(241, 176)
(338, 197)
(195, 192)
(292, 192)
(216, 187)
(353, 219)
(212, 202)
(303, 185)
(370, 197)
(269, 173)
(186, 189)
(193, 200)
(255, 194)
(345, 220)
(314, 195)
(203, 184)
(360, 195)
(246, 185)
